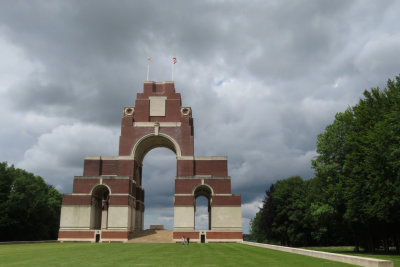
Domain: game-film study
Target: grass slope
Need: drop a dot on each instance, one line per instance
(118, 254)
(350, 251)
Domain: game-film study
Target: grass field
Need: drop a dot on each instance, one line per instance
(349, 251)
(118, 254)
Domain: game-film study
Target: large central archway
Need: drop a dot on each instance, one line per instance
(151, 141)
(158, 175)
(157, 120)
(141, 148)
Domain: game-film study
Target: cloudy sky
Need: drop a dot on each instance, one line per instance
(263, 78)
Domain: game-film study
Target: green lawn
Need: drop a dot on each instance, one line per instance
(350, 251)
(119, 254)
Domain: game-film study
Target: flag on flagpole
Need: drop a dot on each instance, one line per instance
(173, 64)
(149, 58)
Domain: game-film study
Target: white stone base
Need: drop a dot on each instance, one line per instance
(183, 219)
(226, 218)
(76, 240)
(75, 217)
(359, 261)
(211, 240)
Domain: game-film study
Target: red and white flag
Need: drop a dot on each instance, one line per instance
(174, 60)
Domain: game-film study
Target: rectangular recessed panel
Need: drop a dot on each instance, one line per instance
(157, 105)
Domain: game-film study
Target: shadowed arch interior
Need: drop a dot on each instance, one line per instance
(203, 190)
(151, 141)
(99, 207)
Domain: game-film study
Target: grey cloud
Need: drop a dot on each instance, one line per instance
(158, 178)
(58, 155)
(379, 57)
(263, 79)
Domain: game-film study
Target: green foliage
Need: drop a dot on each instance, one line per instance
(356, 189)
(283, 217)
(290, 223)
(29, 208)
(256, 229)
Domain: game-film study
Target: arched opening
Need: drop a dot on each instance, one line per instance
(157, 168)
(151, 141)
(202, 208)
(99, 207)
(158, 172)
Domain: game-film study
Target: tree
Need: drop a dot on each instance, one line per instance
(358, 167)
(282, 218)
(373, 182)
(261, 225)
(256, 228)
(328, 203)
(356, 188)
(29, 208)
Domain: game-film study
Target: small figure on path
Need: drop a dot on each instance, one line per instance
(187, 241)
(183, 240)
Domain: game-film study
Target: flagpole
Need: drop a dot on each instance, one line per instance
(148, 67)
(172, 72)
(173, 64)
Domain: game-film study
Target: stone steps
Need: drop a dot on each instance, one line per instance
(151, 236)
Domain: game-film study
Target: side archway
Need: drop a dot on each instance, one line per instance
(100, 195)
(205, 191)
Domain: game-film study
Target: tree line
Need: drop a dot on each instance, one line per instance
(29, 208)
(354, 197)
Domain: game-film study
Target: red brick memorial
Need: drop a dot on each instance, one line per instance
(107, 202)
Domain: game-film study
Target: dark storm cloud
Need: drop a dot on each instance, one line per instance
(90, 47)
(263, 78)
(158, 178)
(86, 51)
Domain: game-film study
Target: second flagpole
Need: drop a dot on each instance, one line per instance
(173, 64)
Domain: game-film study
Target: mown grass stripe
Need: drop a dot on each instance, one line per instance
(117, 254)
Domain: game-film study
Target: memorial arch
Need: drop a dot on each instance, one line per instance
(107, 202)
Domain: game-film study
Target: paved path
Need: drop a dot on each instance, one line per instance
(152, 236)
